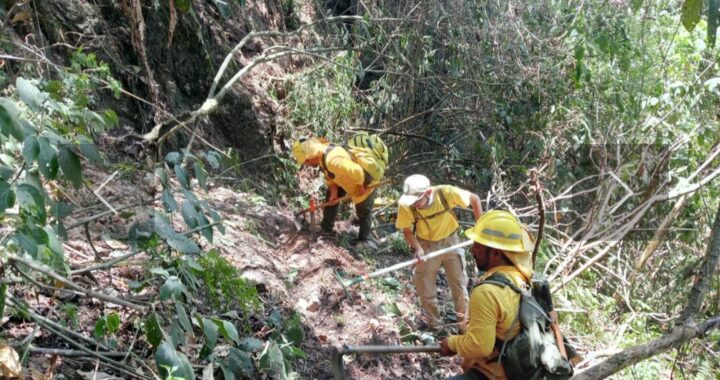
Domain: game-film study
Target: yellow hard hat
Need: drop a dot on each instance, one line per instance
(498, 229)
(304, 150)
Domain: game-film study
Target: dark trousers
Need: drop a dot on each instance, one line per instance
(472, 374)
(363, 210)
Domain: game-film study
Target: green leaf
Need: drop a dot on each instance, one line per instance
(9, 124)
(160, 271)
(3, 290)
(162, 226)
(207, 232)
(47, 161)
(31, 149)
(210, 329)
(100, 329)
(30, 200)
(173, 363)
(30, 94)
(713, 20)
(183, 317)
(636, 5)
(113, 322)
(213, 158)
(168, 201)
(171, 288)
(240, 363)
(189, 214)
(7, 197)
(182, 177)
(295, 334)
(27, 244)
(690, 14)
(172, 157)
(70, 164)
(89, 150)
(250, 344)
(111, 118)
(271, 361)
(200, 175)
(182, 5)
(177, 334)
(227, 329)
(153, 331)
(224, 8)
(216, 219)
(183, 244)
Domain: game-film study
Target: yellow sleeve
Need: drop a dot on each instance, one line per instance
(479, 338)
(345, 170)
(405, 218)
(457, 196)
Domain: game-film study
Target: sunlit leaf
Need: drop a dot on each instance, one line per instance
(690, 14)
(30, 94)
(153, 331)
(172, 288)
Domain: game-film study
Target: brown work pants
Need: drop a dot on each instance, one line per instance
(425, 276)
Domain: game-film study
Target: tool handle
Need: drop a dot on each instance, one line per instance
(341, 199)
(408, 263)
(378, 349)
(558, 335)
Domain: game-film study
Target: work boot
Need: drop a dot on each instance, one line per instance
(364, 244)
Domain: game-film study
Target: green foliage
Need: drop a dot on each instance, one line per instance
(225, 288)
(172, 363)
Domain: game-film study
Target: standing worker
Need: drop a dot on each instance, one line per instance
(501, 247)
(428, 224)
(349, 169)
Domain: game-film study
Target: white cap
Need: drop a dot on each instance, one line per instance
(414, 187)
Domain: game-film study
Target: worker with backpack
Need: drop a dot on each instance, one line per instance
(426, 218)
(354, 169)
(509, 329)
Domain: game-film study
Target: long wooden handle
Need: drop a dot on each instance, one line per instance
(349, 349)
(556, 331)
(341, 199)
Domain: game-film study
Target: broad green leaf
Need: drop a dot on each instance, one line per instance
(189, 214)
(89, 150)
(216, 219)
(111, 118)
(162, 226)
(9, 124)
(168, 201)
(227, 329)
(295, 334)
(161, 174)
(113, 322)
(153, 331)
(70, 164)
(176, 363)
(250, 344)
(30, 94)
(47, 160)
(210, 329)
(183, 317)
(172, 157)
(7, 197)
(32, 201)
(223, 7)
(690, 14)
(27, 244)
(172, 288)
(60, 210)
(182, 177)
(240, 363)
(713, 20)
(160, 271)
(183, 244)
(271, 361)
(177, 334)
(31, 149)
(182, 5)
(213, 158)
(207, 232)
(200, 175)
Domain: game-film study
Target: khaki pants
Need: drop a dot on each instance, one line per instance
(425, 276)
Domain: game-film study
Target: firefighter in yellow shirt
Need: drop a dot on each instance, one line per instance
(501, 246)
(342, 176)
(428, 224)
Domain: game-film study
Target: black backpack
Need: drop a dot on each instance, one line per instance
(533, 354)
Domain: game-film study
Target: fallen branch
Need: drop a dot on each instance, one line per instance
(73, 353)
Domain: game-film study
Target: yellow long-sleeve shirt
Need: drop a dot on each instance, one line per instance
(444, 223)
(347, 174)
(492, 311)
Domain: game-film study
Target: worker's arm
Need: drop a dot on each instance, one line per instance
(476, 206)
(333, 192)
(479, 338)
(414, 244)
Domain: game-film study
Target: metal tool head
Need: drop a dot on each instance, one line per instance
(336, 361)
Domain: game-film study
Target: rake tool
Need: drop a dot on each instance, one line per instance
(338, 366)
(401, 265)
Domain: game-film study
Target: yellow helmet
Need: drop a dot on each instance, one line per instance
(501, 230)
(304, 150)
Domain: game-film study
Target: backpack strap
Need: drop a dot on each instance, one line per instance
(446, 208)
(367, 178)
(323, 162)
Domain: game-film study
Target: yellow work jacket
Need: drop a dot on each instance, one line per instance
(444, 223)
(347, 174)
(492, 311)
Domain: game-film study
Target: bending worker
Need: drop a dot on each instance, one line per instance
(501, 246)
(428, 224)
(342, 176)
